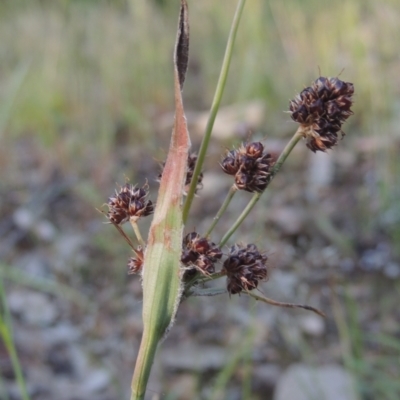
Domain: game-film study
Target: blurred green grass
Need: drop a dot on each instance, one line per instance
(96, 66)
(95, 63)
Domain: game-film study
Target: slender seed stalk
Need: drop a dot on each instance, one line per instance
(223, 208)
(286, 151)
(214, 108)
(137, 232)
(282, 304)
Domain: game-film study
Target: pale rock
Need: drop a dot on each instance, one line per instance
(266, 375)
(312, 324)
(192, 358)
(23, 218)
(45, 230)
(232, 121)
(96, 381)
(320, 173)
(32, 307)
(303, 382)
(290, 220)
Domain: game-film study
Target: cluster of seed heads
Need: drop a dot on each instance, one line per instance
(244, 268)
(249, 165)
(129, 202)
(321, 110)
(191, 163)
(200, 253)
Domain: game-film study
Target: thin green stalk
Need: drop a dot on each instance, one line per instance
(286, 151)
(214, 108)
(145, 358)
(6, 335)
(223, 208)
(137, 232)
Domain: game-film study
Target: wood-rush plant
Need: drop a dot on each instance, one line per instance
(174, 265)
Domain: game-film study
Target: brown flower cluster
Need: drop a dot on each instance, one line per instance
(321, 110)
(135, 264)
(200, 253)
(191, 163)
(129, 202)
(244, 267)
(249, 165)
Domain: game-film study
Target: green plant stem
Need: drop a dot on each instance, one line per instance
(137, 232)
(223, 208)
(286, 151)
(145, 358)
(214, 108)
(12, 352)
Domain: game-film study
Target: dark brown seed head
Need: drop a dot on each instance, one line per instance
(135, 264)
(189, 257)
(201, 246)
(250, 166)
(190, 239)
(245, 267)
(205, 265)
(129, 202)
(242, 180)
(321, 109)
(230, 164)
(200, 253)
(255, 149)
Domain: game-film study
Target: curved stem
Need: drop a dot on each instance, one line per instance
(222, 209)
(214, 108)
(273, 302)
(286, 151)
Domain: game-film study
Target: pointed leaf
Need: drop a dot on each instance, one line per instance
(161, 271)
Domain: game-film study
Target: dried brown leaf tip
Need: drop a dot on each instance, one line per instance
(244, 267)
(135, 264)
(250, 166)
(199, 253)
(191, 163)
(129, 202)
(321, 110)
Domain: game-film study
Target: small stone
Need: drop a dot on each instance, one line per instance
(191, 358)
(392, 270)
(34, 264)
(184, 387)
(375, 259)
(302, 382)
(320, 174)
(290, 220)
(33, 308)
(61, 334)
(312, 325)
(266, 375)
(45, 230)
(23, 218)
(96, 381)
